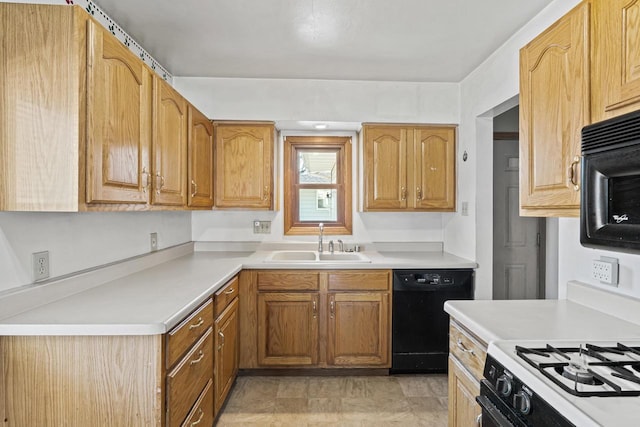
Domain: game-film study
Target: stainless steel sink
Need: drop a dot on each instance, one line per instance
(315, 257)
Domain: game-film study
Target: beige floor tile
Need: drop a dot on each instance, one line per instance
(293, 387)
(355, 401)
(416, 386)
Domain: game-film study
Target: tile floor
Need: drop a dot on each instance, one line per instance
(404, 400)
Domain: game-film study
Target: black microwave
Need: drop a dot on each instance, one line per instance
(610, 195)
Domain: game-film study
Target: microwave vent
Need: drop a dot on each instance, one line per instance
(618, 132)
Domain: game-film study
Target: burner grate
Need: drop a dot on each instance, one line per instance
(582, 372)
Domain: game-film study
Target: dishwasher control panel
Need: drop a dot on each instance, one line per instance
(426, 279)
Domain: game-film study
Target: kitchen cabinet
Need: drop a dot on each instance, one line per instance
(615, 58)
(244, 157)
(467, 355)
(409, 167)
(118, 85)
(169, 146)
(315, 318)
(102, 132)
(226, 344)
(554, 106)
(200, 158)
(288, 328)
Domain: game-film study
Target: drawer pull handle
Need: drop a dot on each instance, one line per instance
(332, 309)
(196, 422)
(195, 188)
(465, 349)
(230, 291)
(199, 359)
(315, 309)
(197, 325)
(572, 173)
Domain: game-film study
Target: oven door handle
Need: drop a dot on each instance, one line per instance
(490, 411)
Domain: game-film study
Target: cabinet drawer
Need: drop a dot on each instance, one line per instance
(360, 280)
(467, 350)
(225, 295)
(285, 280)
(202, 412)
(182, 337)
(187, 380)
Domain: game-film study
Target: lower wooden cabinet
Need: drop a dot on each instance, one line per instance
(467, 356)
(358, 329)
(288, 328)
(226, 360)
(315, 318)
(463, 389)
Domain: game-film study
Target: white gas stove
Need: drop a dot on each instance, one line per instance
(562, 383)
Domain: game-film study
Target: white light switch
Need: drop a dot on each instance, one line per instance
(465, 209)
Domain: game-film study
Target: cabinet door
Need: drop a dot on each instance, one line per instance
(358, 329)
(288, 329)
(244, 166)
(616, 58)
(463, 389)
(169, 150)
(434, 168)
(385, 168)
(554, 106)
(118, 121)
(200, 156)
(226, 360)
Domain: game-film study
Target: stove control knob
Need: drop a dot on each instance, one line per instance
(522, 402)
(504, 385)
(492, 372)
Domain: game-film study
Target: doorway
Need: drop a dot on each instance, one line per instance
(518, 242)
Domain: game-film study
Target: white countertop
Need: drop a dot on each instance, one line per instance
(538, 320)
(154, 299)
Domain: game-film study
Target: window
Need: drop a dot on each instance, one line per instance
(317, 184)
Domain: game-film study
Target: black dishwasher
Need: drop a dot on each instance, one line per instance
(420, 331)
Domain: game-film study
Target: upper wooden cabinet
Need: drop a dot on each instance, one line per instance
(409, 168)
(118, 86)
(615, 58)
(554, 106)
(101, 132)
(244, 165)
(169, 147)
(200, 158)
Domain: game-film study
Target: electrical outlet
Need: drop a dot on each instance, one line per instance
(40, 265)
(153, 241)
(605, 270)
(261, 227)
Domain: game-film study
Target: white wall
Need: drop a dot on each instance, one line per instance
(489, 90)
(77, 241)
(328, 101)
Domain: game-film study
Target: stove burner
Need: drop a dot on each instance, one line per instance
(578, 373)
(590, 370)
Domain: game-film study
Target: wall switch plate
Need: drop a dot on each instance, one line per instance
(465, 208)
(605, 270)
(261, 227)
(153, 242)
(40, 265)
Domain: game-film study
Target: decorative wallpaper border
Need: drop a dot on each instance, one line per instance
(108, 23)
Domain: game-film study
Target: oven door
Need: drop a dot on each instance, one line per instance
(494, 412)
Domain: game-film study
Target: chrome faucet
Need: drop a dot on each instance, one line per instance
(341, 245)
(321, 227)
(330, 246)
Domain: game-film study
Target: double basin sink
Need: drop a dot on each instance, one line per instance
(316, 257)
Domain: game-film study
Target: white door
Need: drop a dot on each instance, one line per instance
(516, 240)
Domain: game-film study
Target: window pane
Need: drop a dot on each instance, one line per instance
(318, 205)
(317, 167)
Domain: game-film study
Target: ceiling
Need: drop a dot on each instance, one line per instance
(386, 40)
